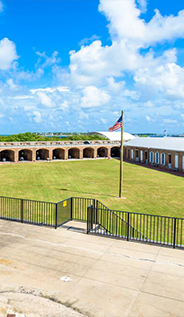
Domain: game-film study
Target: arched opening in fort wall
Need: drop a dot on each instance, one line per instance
(102, 152)
(25, 155)
(115, 151)
(7, 156)
(74, 153)
(88, 153)
(42, 154)
(58, 154)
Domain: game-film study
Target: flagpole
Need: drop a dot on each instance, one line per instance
(121, 158)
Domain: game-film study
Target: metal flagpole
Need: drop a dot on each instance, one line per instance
(121, 158)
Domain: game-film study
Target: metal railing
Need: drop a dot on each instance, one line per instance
(27, 211)
(100, 220)
(136, 226)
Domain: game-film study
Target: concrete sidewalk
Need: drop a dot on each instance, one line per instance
(97, 276)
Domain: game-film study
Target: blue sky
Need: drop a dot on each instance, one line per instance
(72, 65)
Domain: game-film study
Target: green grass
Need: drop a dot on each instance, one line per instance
(145, 190)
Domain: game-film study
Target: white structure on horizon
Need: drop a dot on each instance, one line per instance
(116, 136)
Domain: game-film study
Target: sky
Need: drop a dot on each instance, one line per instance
(73, 65)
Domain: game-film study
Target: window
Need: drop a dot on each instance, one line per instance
(169, 158)
(141, 155)
(162, 158)
(132, 154)
(176, 161)
(157, 158)
(128, 154)
(151, 157)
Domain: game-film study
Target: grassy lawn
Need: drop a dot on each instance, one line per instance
(145, 190)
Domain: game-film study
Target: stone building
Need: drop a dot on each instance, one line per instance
(57, 150)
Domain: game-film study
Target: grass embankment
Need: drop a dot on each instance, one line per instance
(145, 190)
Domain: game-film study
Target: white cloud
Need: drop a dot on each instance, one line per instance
(125, 23)
(37, 117)
(48, 61)
(11, 84)
(49, 89)
(113, 86)
(143, 5)
(94, 63)
(8, 54)
(23, 97)
(103, 120)
(170, 121)
(88, 40)
(45, 100)
(148, 104)
(94, 97)
(165, 79)
(64, 106)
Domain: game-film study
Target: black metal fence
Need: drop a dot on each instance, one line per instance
(28, 211)
(136, 227)
(100, 219)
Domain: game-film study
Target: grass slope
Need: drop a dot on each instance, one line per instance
(146, 190)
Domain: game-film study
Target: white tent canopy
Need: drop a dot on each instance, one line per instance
(116, 136)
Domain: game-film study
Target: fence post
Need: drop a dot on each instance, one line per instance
(22, 210)
(96, 207)
(71, 215)
(94, 213)
(174, 240)
(56, 211)
(128, 228)
(89, 218)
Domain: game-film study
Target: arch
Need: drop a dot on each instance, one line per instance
(88, 152)
(115, 151)
(42, 154)
(25, 155)
(74, 153)
(7, 155)
(102, 152)
(58, 154)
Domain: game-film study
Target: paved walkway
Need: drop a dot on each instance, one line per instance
(97, 276)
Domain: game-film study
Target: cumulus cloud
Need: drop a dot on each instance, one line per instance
(8, 54)
(167, 80)
(125, 23)
(45, 100)
(93, 63)
(94, 97)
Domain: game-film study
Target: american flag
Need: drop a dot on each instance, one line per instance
(117, 125)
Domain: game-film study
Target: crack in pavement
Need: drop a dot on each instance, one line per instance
(50, 243)
(148, 260)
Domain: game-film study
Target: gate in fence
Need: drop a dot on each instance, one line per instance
(100, 219)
